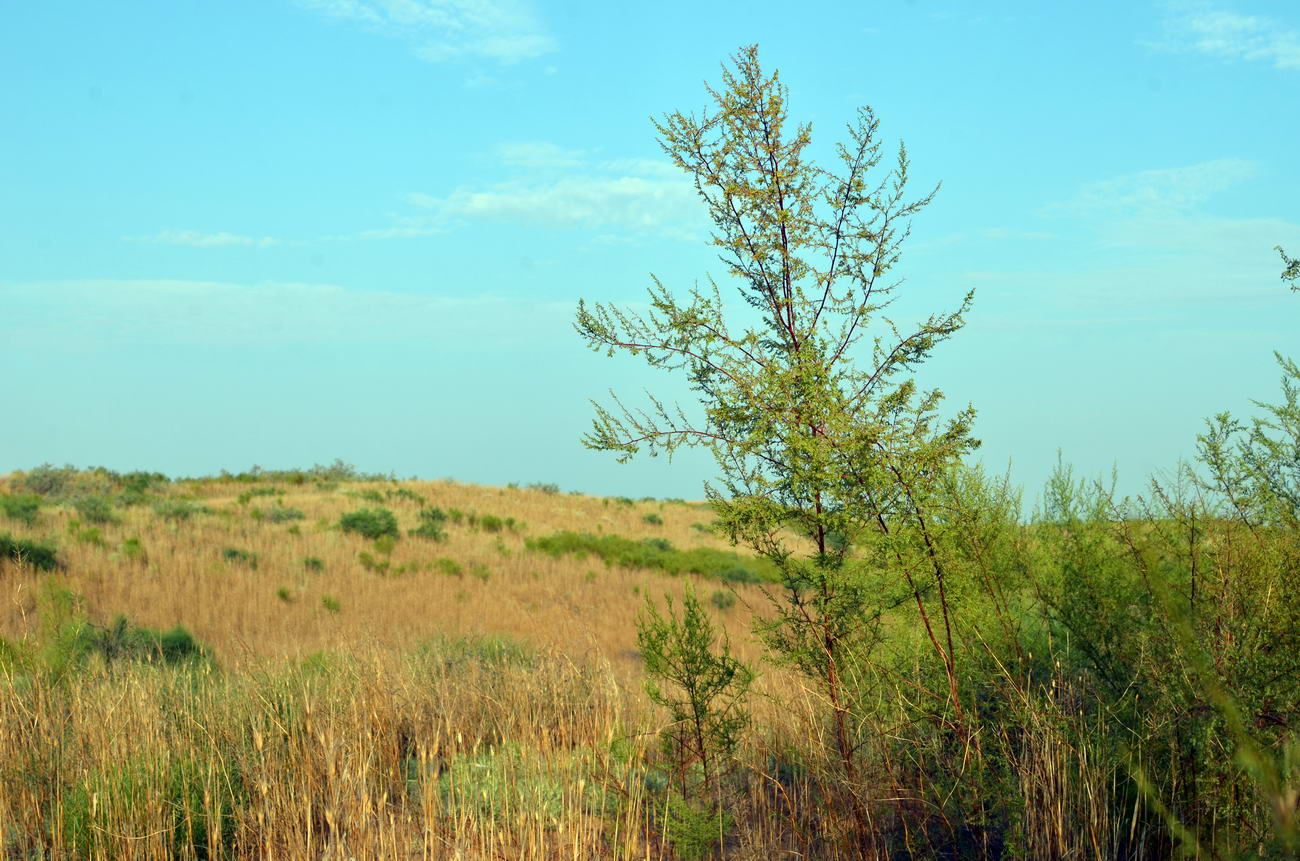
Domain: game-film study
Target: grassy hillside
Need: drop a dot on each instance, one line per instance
(319, 664)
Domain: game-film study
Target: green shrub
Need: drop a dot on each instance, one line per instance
(723, 600)
(403, 493)
(450, 567)
(479, 571)
(24, 507)
(370, 563)
(24, 551)
(178, 509)
(49, 480)
(431, 525)
(132, 549)
(313, 563)
(549, 488)
(281, 514)
(491, 523)
(235, 556)
(370, 523)
(330, 603)
(653, 519)
(658, 553)
(94, 509)
(284, 595)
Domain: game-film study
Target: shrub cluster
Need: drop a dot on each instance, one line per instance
(658, 554)
(370, 523)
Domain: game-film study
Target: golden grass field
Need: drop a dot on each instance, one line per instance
(363, 731)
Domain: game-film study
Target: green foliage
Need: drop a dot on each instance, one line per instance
(313, 563)
(178, 510)
(450, 567)
(23, 507)
(38, 554)
(431, 526)
(132, 549)
(658, 553)
(236, 556)
(280, 514)
(723, 600)
(491, 651)
(330, 603)
(49, 480)
(652, 519)
(370, 523)
(692, 674)
(695, 830)
(94, 509)
(549, 488)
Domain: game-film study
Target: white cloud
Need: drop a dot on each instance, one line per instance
(1162, 190)
(628, 195)
(206, 240)
(1229, 35)
(439, 30)
(538, 154)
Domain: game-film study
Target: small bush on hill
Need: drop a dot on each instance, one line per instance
(94, 509)
(431, 525)
(23, 507)
(49, 480)
(235, 556)
(35, 553)
(653, 519)
(281, 514)
(370, 523)
(177, 509)
(658, 553)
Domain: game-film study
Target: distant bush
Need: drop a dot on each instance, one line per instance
(550, 488)
(177, 509)
(403, 493)
(35, 553)
(132, 549)
(492, 523)
(235, 556)
(23, 507)
(723, 600)
(431, 521)
(450, 567)
(330, 603)
(94, 509)
(653, 519)
(658, 553)
(49, 480)
(313, 563)
(370, 523)
(281, 514)
(121, 640)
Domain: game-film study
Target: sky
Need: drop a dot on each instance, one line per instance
(287, 231)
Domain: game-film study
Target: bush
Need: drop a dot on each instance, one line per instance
(235, 556)
(35, 553)
(177, 509)
(24, 507)
(723, 600)
(94, 509)
(431, 521)
(549, 488)
(450, 567)
(658, 553)
(653, 519)
(281, 514)
(49, 480)
(370, 523)
(330, 603)
(313, 563)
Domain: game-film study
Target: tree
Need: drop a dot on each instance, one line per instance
(1291, 272)
(829, 454)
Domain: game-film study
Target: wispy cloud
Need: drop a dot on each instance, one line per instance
(199, 239)
(564, 188)
(439, 30)
(1162, 190)
(1205, 29)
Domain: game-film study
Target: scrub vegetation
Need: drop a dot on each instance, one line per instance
(898, 657)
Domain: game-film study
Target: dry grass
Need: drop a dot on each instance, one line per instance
(373, 731)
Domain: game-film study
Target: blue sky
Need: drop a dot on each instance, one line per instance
(282, 232)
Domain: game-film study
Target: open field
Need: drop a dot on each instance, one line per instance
(466, 694)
